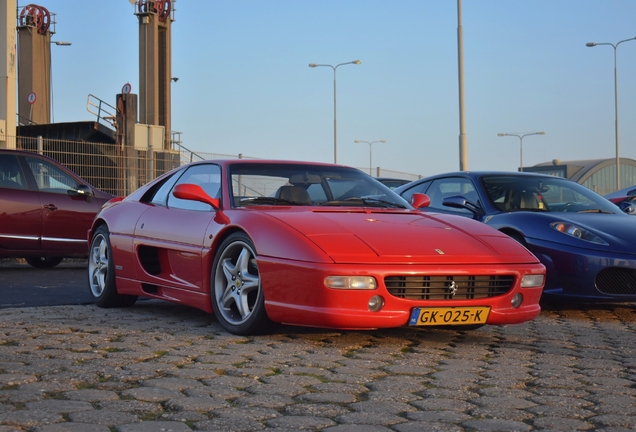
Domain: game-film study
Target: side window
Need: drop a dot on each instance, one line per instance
(208, 176)
(160, 196)
(10, 173)
(448, 187)
(418, 188)
(50, 178)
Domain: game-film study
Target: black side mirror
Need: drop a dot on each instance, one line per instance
(628, 207)
(83, 191)
(462, 203)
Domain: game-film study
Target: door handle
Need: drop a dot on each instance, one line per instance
(51, 207)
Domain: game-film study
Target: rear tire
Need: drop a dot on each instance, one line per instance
(101, 273)
(43, 262)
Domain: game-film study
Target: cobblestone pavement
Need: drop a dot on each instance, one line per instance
(163, 367)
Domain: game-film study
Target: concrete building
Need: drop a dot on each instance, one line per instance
(598, 175)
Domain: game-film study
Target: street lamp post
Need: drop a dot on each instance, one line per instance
(335, 122)
(370, 153)
(463, 146)
(52, 108)
(615, 46)
(521, 144)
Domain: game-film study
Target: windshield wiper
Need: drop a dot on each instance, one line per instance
(529, 210)
(595, 211)
(372, 202)
(268, 200)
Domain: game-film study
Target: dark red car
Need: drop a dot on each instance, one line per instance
(45, 209)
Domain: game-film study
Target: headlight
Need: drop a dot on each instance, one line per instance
(351, 282)
(577, 232)
(532, 280)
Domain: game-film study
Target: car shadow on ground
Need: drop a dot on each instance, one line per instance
(20, 263)
(583, 306)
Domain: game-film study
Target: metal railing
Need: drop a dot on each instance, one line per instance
(188, 156)
(105, 166)
(102, 110)
(382, 172)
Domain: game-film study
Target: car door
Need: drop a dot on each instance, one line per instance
(173, 230)
(20, 208)
(66, 215)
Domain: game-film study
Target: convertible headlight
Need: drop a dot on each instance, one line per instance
(351, 282)
(532, 280)
(577, 232)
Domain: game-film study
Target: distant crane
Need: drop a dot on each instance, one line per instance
(161, 7)
(35, 16)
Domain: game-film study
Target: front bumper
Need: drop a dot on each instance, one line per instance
(585, 275)
(295, 294)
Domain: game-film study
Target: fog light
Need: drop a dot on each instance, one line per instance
(376, 303)
(517, 300)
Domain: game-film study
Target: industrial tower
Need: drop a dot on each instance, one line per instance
(34, 72)
(155, 63)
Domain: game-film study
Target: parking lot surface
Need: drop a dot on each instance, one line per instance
(22, 285)
(158, 366)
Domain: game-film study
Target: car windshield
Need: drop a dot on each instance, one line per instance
(543, 194)
(300, 184)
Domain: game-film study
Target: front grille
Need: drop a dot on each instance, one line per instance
(615, 280)
(447, 287)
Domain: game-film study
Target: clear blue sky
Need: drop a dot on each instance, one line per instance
(245, 85)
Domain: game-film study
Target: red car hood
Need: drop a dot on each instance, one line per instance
(389, 237)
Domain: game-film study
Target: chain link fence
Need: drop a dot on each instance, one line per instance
(119, 171)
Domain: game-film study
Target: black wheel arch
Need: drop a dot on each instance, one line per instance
(516, 235)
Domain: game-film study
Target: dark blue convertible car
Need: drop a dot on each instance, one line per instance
(587, 244)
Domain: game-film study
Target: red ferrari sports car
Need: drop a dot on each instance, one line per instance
(260, 242)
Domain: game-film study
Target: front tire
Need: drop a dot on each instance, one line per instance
(43, 262)
(236, 291)
(101, 273)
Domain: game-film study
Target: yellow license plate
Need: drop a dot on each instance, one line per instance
(449, 316)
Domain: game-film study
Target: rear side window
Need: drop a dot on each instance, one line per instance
(11, 175)
(160, 196)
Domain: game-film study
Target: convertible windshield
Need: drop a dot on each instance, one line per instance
(543, 194)
(305, 185)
